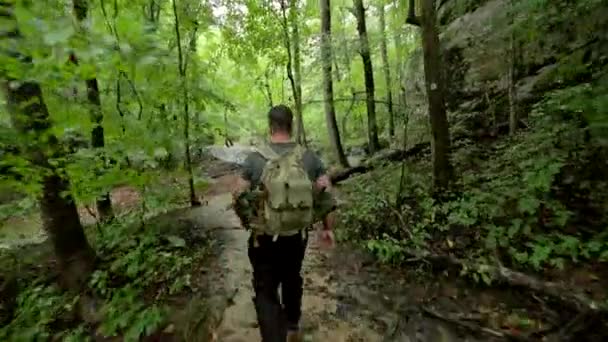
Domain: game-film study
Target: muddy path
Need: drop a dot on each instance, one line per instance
(347, 297)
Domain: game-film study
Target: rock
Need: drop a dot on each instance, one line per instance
(474, 41)
(233, 154)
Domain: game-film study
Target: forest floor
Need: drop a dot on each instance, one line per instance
(347, 297)
(348, 294)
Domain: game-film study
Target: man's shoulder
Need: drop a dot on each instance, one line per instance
(313, 163)
(254, 156)
(311, 153)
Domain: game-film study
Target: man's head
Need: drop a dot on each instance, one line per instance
(280, 120)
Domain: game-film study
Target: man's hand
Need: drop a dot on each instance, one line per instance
(236, 189)
(323, 183)
(326, 239)
(239, 186)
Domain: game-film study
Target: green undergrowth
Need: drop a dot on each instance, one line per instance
(536, 201)
(140, 269)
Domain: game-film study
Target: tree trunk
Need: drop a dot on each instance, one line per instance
(328, 91)
(387, 72)
(152, 12)
(297, 72)
(434, 80)
(104, 203)
(402, 99)
(182, 72)
(372, 127)
(347, 62)
(30, 117)
(513, 118)
(267, 87)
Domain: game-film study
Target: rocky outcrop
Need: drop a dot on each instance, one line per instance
(554, 51)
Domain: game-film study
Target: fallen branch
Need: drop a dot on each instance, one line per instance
(343, 174)
(567, 296)
(474, 327)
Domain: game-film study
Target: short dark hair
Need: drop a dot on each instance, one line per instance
(280, 118)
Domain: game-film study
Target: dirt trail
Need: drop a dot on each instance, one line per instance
(341, 301)
(320, 302)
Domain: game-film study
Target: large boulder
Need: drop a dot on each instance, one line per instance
(475, 44)
(235, 154)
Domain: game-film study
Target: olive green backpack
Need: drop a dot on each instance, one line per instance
(287, 192)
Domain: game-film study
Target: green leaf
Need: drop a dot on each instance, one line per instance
(528, 204)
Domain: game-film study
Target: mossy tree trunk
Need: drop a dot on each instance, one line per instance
(387, 70)
(435, 88)
(30, 116)
(328, 92)
(104, 203)
(368, 70)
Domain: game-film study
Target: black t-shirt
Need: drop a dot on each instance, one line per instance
(255, 162)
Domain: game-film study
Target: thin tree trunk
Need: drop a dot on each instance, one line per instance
(182, 72)
(300, 135)
(411, 13)
(345, 50)
(402, 99)
(372, 127)
(347, 114)
(387, 72)
(103, 203)
(227, 140)
(337, 72)
(29, 115)
(513, 117)
(152, 13)
(328, 91)
(297, 71)
(283, 90)
(268, 90)
(347, 62)
(433, 72)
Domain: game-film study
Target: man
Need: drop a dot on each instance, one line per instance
(277, 260)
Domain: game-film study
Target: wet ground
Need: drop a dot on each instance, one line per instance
(346, 296)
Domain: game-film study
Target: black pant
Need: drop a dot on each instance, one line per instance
(277, 263)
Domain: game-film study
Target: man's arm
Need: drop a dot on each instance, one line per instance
(250, 172)
(323, 185)
(241, 185)
(323, 189)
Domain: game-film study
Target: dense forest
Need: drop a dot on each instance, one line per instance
(467, 141)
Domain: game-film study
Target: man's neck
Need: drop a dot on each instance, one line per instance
(280, 138)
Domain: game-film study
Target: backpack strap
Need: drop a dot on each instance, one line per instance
(299, 151)
(267, 152)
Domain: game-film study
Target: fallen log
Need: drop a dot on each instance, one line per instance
(371, 163)
(570, 297)
(343, 174)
